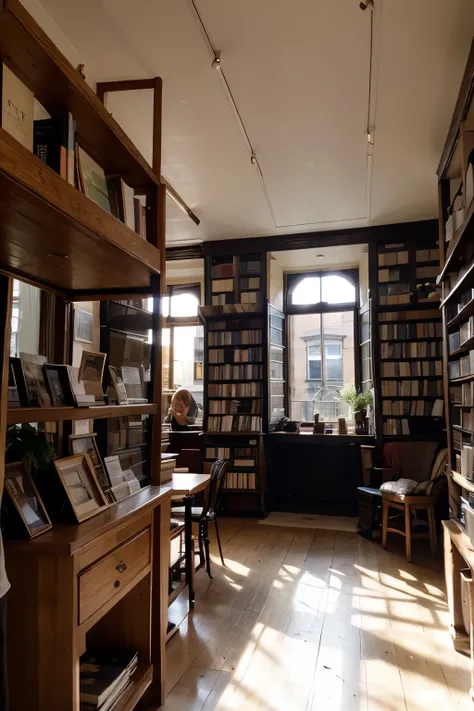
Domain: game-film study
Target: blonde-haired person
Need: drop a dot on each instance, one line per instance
(183, 410)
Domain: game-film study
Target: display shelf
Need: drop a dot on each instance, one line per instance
(54, 236)
(463, 348)
(464, 233)
(466, 311)
(61, 414)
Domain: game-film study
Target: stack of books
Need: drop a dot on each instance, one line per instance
(104, 676)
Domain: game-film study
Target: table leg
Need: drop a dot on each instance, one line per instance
(188, 542)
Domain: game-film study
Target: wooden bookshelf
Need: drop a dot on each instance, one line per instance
(409, 335)
(56, 238)
(456, 230)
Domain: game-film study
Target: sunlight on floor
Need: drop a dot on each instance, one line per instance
(315, 621)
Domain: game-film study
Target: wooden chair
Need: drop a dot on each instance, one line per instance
(408, 505)
(204, 515)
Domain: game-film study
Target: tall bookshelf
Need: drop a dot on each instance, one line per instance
(56, 238)
(235, 280)
(408, 338)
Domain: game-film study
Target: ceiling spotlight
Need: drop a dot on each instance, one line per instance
(367, 4)
(216, 63)
(253, 158)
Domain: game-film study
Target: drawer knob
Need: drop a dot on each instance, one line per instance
(117, 584)
(121, 567)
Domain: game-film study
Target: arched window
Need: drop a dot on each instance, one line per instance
(326, 289)
(184, 301)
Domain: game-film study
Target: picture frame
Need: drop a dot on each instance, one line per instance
(13, 394)
(118, 386)
(20, 383)
(87, 444)
(83, 326)
(77, 475)
(58, 384)
(92, 180)
(91, 373)
(26, 500)
(32, 367)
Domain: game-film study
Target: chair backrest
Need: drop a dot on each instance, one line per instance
(218, 471)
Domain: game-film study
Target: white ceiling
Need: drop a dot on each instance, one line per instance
(298, 70)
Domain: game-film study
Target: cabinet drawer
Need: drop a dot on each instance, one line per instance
(103, 580)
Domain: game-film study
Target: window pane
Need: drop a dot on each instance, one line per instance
(338, 290)
(308, 291)
(317, 377)
(165, 306)
(184, 305)
(188, 362)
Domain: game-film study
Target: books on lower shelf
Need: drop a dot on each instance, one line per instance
(412, 388)
(411, 349)
(241, 480)
(415, 368)
(392, 427)
(235, 372)
(235, 338)
(427, 255)
(242, 406)
(104, 675)
(237, 355)
(410, 315)
(390, 258)
(461, 367)
(220, 286)
(235, 390)
(243, 456)
(458, 338)
(414, 408)
(462, 394)
(217, 309)
(234, 423)
(405, 331)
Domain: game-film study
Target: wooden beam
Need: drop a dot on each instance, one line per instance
(180, 202)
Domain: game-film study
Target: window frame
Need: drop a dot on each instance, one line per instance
(175, 290)
(320, 340)
(291, 280)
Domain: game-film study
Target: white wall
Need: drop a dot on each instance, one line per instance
(275, 282)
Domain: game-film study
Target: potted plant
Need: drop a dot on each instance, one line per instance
(358, 402)
(25, 444)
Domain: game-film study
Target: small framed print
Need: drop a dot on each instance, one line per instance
(91, 372)
(81, 486)
(87, 444)
(57, 381)
(83, 326)
(118, 386)
(25, 498)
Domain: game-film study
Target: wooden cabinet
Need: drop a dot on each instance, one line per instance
(81, 585)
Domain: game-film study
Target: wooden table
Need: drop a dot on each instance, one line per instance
(187, 486)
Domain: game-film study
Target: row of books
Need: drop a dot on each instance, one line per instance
(391, 258)
(223, 271)
(396, 428)
(411, 315)
(462, 394)
(389, 275)
(243, 406)
(250, 283)
(411, 388)
(416, 368)
(458, 338)
(412, 407)
(411, 349)
(234, 423)
(217, 309)
(427, 255)
(394, 299)
(238, 355)
(427, 272)
(453, 309)
(250, 266)
(235, 390)
(219, 286)
(245, 371)
(223, 299)
(430, 329)
(462, 418)
(242, 456)
(235, 338)
(460, 439)
(241, 480)
(462, 367)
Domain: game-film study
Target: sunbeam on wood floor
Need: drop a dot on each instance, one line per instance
(312, 620)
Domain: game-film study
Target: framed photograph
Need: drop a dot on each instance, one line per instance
(87, 444)
(57, 381)
(91, 372)
(20, 383)
(83, 326)
(118, 386)
(25, 498)
(92, 179)
(13, 395)
(32, 366)
(80, 483)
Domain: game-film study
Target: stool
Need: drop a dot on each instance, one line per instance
(408, 504)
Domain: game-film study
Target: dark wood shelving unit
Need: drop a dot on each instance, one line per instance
(54, 237)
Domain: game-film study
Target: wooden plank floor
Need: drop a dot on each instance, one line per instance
(310, 620)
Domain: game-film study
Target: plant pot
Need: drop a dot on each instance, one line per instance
(361, 425)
